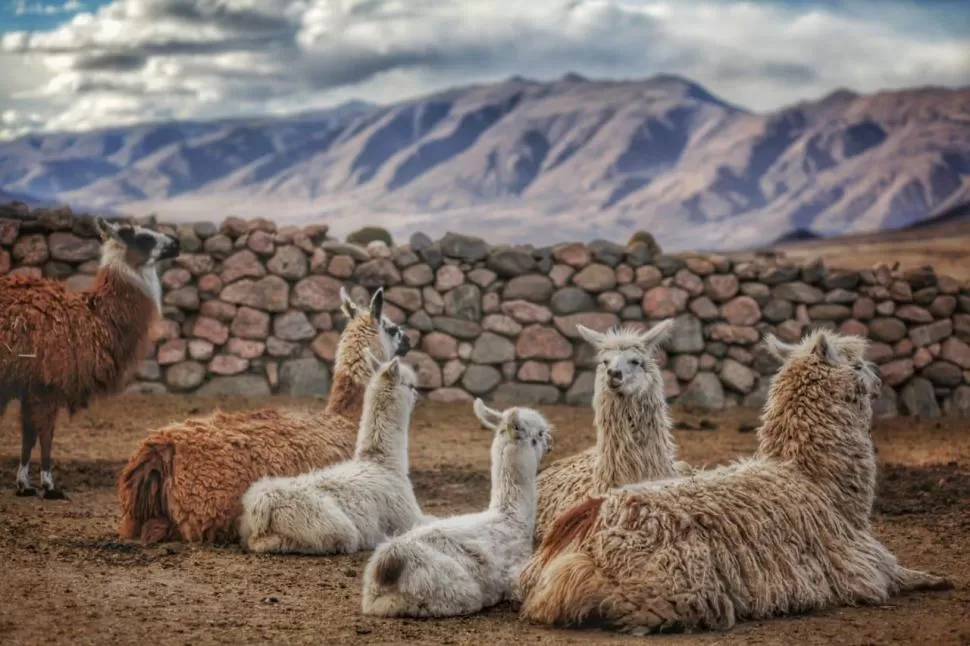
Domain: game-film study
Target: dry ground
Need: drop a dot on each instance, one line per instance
(945, 246)
(66, 579)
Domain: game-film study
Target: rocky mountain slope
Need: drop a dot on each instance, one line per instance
(522, 160)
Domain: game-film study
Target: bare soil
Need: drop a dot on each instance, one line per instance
(67, 579)
(944, 245)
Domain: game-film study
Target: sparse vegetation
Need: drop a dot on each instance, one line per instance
(646, 238)
(365, 235)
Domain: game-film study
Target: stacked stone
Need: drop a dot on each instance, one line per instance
(252, 309)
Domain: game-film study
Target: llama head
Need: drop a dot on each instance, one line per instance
(137, 246)
(825, 373)
(369, 328)
(394, 382)
(626, 362)
(524, 429)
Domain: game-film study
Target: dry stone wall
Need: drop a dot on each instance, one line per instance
(252, 309)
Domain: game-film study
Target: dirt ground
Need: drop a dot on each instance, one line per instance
(66, 579)
(944, 245)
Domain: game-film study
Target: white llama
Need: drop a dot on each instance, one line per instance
(459, 565)
(352, 505)
(632, 419)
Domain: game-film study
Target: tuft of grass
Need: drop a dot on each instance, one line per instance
(365, 235)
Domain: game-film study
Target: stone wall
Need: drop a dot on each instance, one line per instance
(253, 309)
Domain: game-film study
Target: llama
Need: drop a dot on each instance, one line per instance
(62, 349)
(459, 565)
(633, 439)
(785, 531)
(185, 480)
(353, 505)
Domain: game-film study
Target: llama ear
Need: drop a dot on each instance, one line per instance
(658, 334)
(377, 304)
(372, 362)
(488, 417)
(393, 370)
(347, 305)
(106, 230)
(825, 350)
(513, 426)
(592, 337)
(781, 351)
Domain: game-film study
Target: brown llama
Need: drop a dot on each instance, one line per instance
(62, 349)
(186, 480)
(786, 531)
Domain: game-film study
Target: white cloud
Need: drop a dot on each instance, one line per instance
(149, 59)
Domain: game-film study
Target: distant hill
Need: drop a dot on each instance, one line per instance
(523, 160)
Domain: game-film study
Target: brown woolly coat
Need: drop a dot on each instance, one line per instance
(186, 480)
(71, 346)
(784, 532)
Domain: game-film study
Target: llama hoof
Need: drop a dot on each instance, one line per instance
(26, 492)
(53, 494)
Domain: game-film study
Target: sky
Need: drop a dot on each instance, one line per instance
(81, 64)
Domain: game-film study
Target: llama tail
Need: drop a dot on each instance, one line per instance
(258, 503)
(141, 492)
(561, 584)
(388, 565)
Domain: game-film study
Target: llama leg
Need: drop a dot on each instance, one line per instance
(28, 437)
(913, 580)
(44, 415)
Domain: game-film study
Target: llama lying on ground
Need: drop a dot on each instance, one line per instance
(353, 505)
(459, 565)
(61, 349)
(186, 480)
(633, 439)
(786, 531)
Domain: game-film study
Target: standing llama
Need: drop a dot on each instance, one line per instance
(353, 505)
(459, 565)
(786, 531)
(185, 480)
(633, 439)
(62, 349)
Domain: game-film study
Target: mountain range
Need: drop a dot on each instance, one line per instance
(522, 160)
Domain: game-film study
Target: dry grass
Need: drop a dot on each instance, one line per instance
(946, 247)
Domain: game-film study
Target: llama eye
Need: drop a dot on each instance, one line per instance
(636, 363)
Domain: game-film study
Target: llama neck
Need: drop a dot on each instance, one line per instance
(346, 397)
(824, 448)
(383, 434)
(119, 298)
(633, 439)
(513, 487)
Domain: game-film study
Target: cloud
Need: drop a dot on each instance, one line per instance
(151, 59)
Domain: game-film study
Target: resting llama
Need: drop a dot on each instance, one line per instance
(353, 505)
(633, 439)
(459, 565)
(786, 531)
(186, 480)
(61, 349)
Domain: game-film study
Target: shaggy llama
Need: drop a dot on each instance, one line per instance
(61, 349)
(459, 565)
(353, 505)
(786, 531)
(633, 439)
(186, 480)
